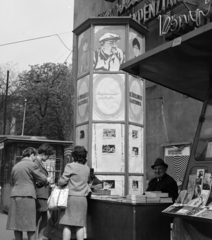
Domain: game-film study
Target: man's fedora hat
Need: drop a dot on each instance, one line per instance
(158, 162)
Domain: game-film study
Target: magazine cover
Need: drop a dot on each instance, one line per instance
(207, 182)
(181, 196)
(206, 214)
(195, 202)
(191, 183)
(200, 177)
(172, 209)
(185, 210)
(204, 197)
(188, 198)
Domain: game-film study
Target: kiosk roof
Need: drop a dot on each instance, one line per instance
(185, 68)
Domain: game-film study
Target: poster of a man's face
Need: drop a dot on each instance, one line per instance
(109, 53)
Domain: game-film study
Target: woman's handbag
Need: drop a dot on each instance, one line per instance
(58, 198)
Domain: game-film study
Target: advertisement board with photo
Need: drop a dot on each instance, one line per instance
(136, 185)
(82, 135)
(136, 149)
(108, 151)
(113, 183)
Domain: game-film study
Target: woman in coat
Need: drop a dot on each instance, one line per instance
(22, 212)
(76, 176)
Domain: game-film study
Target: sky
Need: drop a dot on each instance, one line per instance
(22, 20)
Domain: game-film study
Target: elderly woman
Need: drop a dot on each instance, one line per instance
(76, 176)
(22, 212)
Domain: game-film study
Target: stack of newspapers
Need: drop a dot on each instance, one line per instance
(157, 197)
(135, 198)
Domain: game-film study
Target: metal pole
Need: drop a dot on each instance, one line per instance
(5, 108)
(25, 102)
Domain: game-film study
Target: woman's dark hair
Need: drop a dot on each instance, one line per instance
(46, 149)
(28, 152)
(79, 154)
(136, 42)
(85, 40)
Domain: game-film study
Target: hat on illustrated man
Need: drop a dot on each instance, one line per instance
(109, 36)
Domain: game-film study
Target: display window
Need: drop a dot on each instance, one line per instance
(108, 147)
(109, 48)
(82, 136)
(136, 103)
(136, 146)
(83, 53)
(136, 44)
(82, 99)
(108, 97)
(204, 145)
(135, 185)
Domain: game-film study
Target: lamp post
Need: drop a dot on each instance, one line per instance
(5, 107)
(25, 102)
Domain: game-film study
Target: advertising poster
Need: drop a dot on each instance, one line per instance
(109, 48)
(83, 53)
(136, 185)
(136, 44)
(82, 136)
(136, 160)
(177, 158)
(113, 183)
(135, 100)
(108, 147)
(82, 99)
(108, 97)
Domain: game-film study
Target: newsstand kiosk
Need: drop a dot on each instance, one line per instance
(185, 65)
(110, 124)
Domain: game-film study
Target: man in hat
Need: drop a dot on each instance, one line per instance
(162, 181)
(108, 57)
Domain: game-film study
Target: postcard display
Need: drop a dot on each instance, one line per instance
(110, 103)
(195, 199)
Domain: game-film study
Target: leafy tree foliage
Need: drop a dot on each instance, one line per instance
(49, 92)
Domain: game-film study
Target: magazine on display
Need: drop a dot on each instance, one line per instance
(196, 200)
(190, 210)
(181, 197)
(173, 209)
(207, 213)
(199, 179)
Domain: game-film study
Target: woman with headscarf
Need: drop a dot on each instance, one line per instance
(76, 175)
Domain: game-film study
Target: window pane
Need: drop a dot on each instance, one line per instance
(204, 145)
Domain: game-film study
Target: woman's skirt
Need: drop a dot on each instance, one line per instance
(22, 214)
(75, 213)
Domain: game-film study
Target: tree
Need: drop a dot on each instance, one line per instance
(49, 91)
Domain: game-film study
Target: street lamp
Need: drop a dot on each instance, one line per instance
(25, 102)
